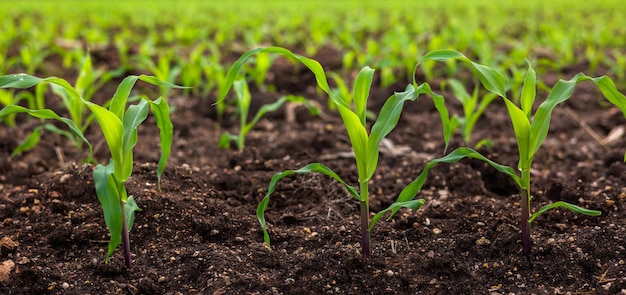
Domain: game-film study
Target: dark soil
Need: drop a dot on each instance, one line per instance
(200, 235)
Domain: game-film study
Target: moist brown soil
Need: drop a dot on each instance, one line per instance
(200, 235)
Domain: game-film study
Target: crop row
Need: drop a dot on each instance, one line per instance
(165, 40)
(119, 121)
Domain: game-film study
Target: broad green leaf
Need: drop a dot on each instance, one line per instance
(529, 91)
(413, 205)
(113, 132)
(118, 103)
(491, 79)
(85, 76)
(387, 120)
(130, 207)
(411, 190)
(19, 81)
(359, 140)
(47, 114)
(313, 167)
(607, 87)
(134, 116)
(522, 129)
(106, 189)
(312, 64)
(27, 144)
(440, 105)
(161, 111)
(565, 205)
(362, 86)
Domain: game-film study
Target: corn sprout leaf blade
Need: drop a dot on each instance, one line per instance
(411, 190)
(491, 79)
(440, 105)
(161, 111)
(362, 87)
(387, 120)
(313, 167)
(27, 144)
(313, 65)
(47, 114)
(413, 205)
(568, 206)
(130, 207)
(523, 132)
(113, 131)
(134, 116)
(106, 189)
(359, 140)
(19, 81)
(529, 90)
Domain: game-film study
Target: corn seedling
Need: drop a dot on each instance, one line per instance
(364, 145)
(243, 105)
(473, 108)
(119, 127)
(530, 129)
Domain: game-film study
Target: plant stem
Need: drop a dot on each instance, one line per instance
(365, 216)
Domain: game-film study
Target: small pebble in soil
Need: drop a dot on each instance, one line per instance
(65, 285)
(570, 239)
(482, 241)
(390, 273)
(436, 231)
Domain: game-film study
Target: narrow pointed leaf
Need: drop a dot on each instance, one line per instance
(529, 90)
(106, 190)
(568, 206)
(362, 86)
(314, 167)
(413, 205)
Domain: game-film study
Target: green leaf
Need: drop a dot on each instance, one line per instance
(313, 65)
(359, 139)
(30, 142)
(567, 206)
(313, 167)
(387, 120)
(440, 105)
(491, 79)
(134, 116)
(19, 81)
(362, 86)
(523, 133)
(529, 90)
(113, 131)
(161, 111)
(130, 207)
(108, 195)
(411, 190)
(47, 114)
(413, 205)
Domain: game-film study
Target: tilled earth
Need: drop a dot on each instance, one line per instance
(200, 234)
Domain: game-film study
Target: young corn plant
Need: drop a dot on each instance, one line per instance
(365, 145)
(473, 108)
(530, 129)
(243, 105)
(119, 126)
